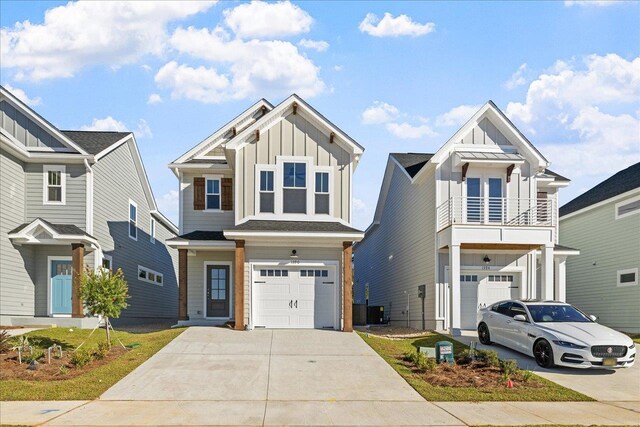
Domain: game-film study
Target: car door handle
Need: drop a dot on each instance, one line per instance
(508, 321)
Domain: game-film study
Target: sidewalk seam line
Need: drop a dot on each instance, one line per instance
(266, 400)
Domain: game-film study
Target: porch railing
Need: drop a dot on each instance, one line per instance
(497, 211)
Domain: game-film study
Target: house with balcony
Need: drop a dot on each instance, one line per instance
(604, 222)
(71, 200)
(265, 221)
(456, 230)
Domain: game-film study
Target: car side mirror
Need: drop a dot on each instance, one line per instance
(519, 318)
(592, 317)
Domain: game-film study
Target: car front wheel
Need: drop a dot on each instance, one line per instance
(483, 334)
(543, 354)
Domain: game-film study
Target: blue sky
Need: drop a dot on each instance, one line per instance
(396, 76)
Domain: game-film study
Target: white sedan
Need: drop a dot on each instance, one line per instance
(555, 333)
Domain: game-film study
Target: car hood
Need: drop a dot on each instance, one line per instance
(589, 334)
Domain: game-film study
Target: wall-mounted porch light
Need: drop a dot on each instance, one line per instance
(294, 254)
(486, 259)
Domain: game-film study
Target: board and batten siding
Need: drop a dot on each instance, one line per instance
(16, 262)
(74, 209)
(195, 274)
(23, 129)
(116, 181)
(295, 136)
(606, 246)
(399, 255)
(203, 220)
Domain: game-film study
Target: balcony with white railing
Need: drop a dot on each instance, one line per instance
(497, 211)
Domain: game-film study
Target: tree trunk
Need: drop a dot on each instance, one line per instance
(107, 325)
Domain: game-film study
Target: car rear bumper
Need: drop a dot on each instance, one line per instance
(575, 358)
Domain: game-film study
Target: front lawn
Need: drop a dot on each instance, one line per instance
(393, 352)
(94, 379)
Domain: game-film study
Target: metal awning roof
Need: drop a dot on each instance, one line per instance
(490, 157)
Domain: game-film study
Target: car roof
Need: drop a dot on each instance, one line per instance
(532, 301)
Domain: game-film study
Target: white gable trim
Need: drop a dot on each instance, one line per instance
(217, 137)
(283, 110)
(48, 127)
(18, 150)
(26, 235)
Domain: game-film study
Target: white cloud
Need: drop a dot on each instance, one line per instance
(82, 34)
(319, 45)
(22, 96)
(261, 19)
(388, 26)
(408, 131)
(596, 3)
(250, 68)
(106, 124)
(338, 68)
(379, 112)
(359, 204)
(517, 78)
(168, 204)
(154, 98)
(457, 115)
(109, 124)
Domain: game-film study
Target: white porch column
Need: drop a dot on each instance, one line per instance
(547, 273)
(560, 281)
(454, 285)
(532, 276)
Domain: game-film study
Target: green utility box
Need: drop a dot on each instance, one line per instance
(444, 352)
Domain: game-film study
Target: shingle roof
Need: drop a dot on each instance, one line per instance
(412, 162)
(555, 175)
(623, 181)
(94, 142)
(295, 226)
(564, 248)
(65, 229)
(202, 235)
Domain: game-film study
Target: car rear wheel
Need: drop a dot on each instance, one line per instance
(483, 334)
(543, 354)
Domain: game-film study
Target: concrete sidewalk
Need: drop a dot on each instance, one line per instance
(327, 413)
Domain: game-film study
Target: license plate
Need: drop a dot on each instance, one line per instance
(610, 362)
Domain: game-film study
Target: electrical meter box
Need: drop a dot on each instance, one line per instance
(422, 291)
(444, 352)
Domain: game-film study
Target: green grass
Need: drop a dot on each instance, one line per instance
(392, 350)
(93, 383)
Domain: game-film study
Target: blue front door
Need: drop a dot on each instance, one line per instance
(61, 287)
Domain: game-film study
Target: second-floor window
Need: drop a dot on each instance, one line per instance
(294, 188)
(322, 193)
(152, 230)
(212, 195)
(133, 220)
(54, 185)
(267, 193)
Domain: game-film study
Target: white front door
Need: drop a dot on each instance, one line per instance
(294, 297)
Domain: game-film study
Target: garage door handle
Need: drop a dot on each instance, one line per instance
(290, 303)
(296, 303)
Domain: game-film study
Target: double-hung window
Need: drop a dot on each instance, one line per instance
(54, 185)
(212, 195)
(322, 193)
(133, 220)
(267, 193)
(294, 188)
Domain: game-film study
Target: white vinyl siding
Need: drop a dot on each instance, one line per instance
(54, 178)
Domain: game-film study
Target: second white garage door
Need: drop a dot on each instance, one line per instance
(294, 297)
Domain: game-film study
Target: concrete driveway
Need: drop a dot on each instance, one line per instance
(606, 385)
(215, 376)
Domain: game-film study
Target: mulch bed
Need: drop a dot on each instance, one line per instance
(59, 369)
(474, 374)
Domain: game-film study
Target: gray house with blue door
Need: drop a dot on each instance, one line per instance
(71, 200)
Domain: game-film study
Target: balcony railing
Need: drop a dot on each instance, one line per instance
(497, 211)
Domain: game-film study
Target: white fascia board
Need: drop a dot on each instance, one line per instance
(602, 203)
(17, 149)
(142, 173)
(52, 130)
(165, 221)
(113, 147)
(279, 235)
(201, 244)
(204, 145)
(281, 111)
(24, 235)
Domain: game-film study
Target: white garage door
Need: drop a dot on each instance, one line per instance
(497, 287)
(294, 297)
(468, 300)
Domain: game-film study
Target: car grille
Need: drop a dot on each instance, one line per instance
(609, 350)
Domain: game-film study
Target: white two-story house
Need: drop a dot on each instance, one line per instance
(474, 223)
(265, 221)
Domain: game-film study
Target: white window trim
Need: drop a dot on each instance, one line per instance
(152, 230)
(108, 258)
(206, 179)
(265, 168)
(630, 270)
(626, 202)
(63, 182)
(329, 170)
(132, 203)
(148, 270)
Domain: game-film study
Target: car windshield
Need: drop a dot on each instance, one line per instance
(556, 313)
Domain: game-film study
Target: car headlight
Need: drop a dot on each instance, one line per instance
(569, 344)
(632, 346)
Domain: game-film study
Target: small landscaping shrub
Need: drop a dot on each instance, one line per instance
(5, 344)
(81, 357)
(33, 356)
(408, 356)
(63, 370)
(508, 367)
(22, 343)
(464, 358)
(102, 351)
(526, 375)
(489, 357)
(421, 361)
